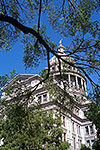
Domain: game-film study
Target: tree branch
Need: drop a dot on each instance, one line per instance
(27, 30)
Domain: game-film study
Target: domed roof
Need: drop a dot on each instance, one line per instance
(61, 52)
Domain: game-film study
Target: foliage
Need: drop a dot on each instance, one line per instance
(84, 147)
(31, 128)
(26, 125)
(96, 145)
(5, 79)
(59, 95)
(93, 114)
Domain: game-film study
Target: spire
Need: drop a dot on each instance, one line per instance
(60, 48)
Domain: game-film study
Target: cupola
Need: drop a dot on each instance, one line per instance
(61, 48)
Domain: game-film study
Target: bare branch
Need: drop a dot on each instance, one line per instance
(76, 12)
(39, 15)
(71, 53)
(21, 8)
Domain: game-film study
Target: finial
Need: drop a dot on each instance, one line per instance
(60, 42)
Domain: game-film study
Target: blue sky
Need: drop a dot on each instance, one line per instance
(14, 59)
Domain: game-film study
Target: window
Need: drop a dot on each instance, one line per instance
(88, 143)
(79, 143)
(78, 70)
(87, 130)
(91, 129)
(58, 67)
(73, 80)
(65, 77)
(64, 121)
(76, 111)
(92, 141)
(44, 97)
(79, 130)
(64, 137)
(40, 99)
(73, 68)
(75, 95)
(58, 79)
(73, 126)
(79, 82)
(0, 94)
(69, 67)
(74, 143)
(0, 117)
(53, 68)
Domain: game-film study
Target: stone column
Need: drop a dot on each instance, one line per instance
(85, 88)
(77, 82)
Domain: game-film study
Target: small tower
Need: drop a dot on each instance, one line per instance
(61, 48)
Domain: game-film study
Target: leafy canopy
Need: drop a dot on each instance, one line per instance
(30, 128)
(76, 20)
(73, 19)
